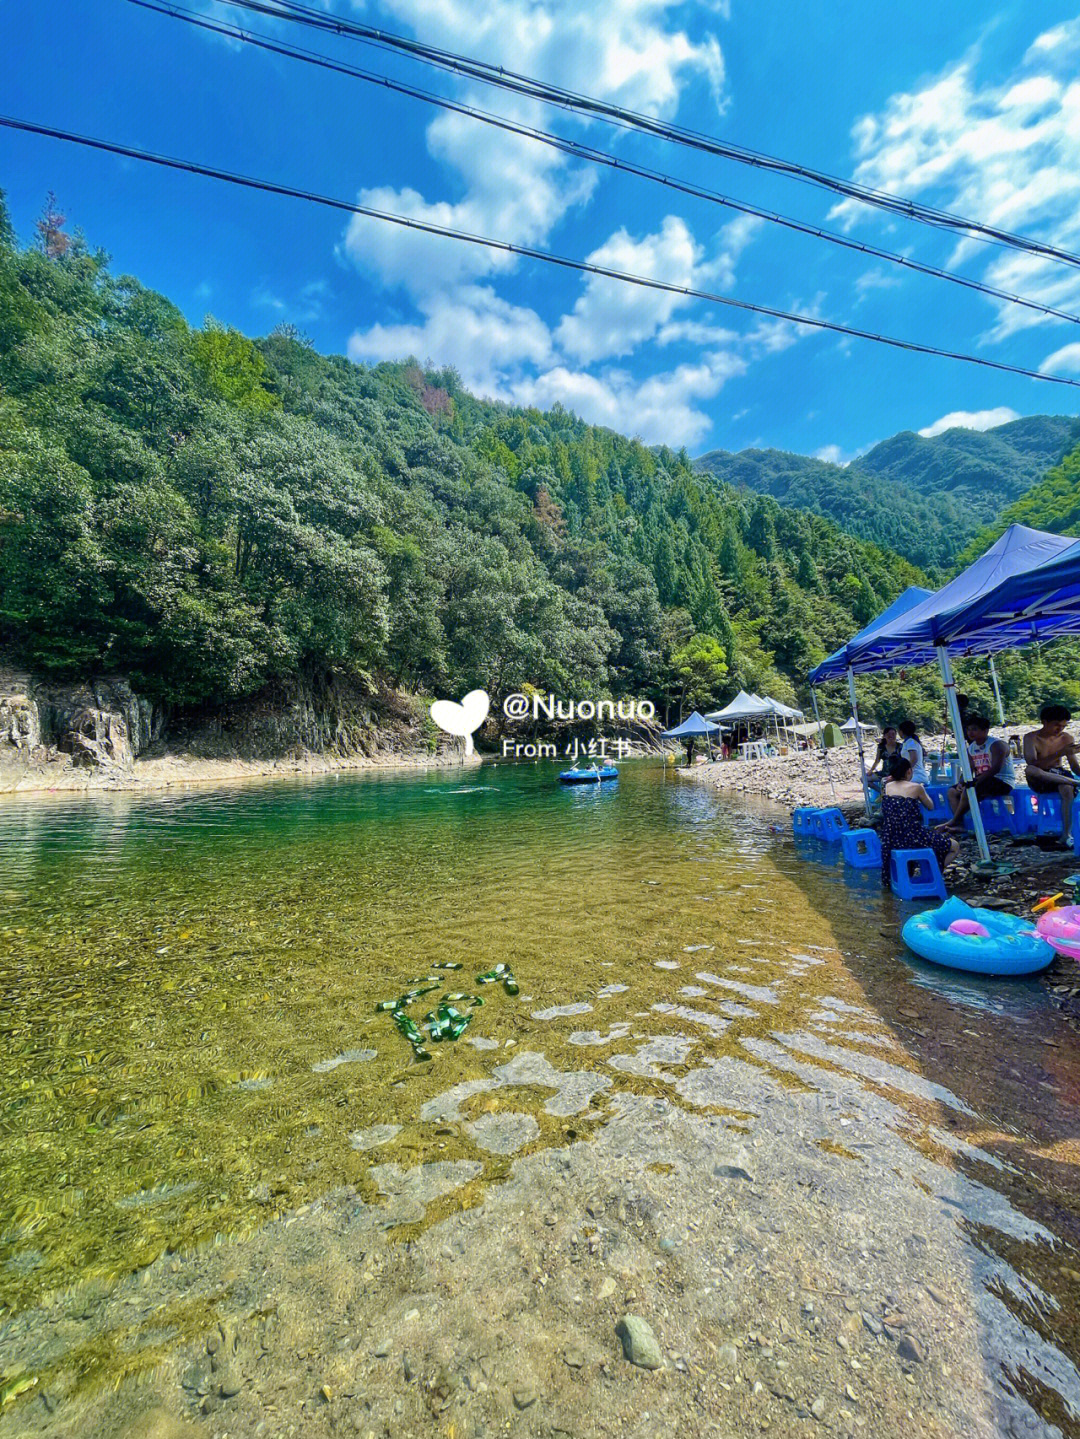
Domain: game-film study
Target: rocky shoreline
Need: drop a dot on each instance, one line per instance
(98, 734)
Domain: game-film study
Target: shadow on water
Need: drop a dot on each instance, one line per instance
(999, 1046)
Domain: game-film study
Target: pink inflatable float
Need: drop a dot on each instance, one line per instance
(1061, 928)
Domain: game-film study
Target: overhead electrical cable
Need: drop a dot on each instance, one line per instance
(528, 252)
(580, 151)
(532, 88)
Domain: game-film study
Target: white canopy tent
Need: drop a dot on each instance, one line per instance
(850, 726)
(742, 709)
(746, 708)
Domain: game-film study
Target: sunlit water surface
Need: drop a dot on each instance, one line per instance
(190, 1045)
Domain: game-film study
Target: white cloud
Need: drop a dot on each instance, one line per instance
(610, 318)
(970, 420)
(472, 328)
(833, 454)
(621, 50)
(1006, 154)
(876, 279)
(515, 189)
(1067, 358)
(662, 409)
(1056, 45)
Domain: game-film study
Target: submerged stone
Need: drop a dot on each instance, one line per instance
(640, 1345)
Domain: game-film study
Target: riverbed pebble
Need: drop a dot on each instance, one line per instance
(640, 1345)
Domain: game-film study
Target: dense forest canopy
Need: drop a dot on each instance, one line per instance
(923, 496)
(213, 516)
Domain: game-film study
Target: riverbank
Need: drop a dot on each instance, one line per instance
(1022, 873)
(57, 774)
(814, 777)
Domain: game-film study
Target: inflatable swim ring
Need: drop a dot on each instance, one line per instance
(1010, 947)
(1061, 928)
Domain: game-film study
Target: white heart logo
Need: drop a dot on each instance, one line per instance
(461, 719)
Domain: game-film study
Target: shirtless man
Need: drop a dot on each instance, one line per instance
(1046, 752)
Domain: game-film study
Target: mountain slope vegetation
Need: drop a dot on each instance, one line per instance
(210, 515)
(217, 517)
(923, 497)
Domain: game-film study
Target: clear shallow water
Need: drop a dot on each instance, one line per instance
(189, 1047)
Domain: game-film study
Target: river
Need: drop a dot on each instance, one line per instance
(840, 1187)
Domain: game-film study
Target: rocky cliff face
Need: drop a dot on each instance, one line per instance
(99, 722)
(103, 726)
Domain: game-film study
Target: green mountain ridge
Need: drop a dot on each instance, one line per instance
(1053, 504)
(923, 497)
(212, 516)
(218, 519)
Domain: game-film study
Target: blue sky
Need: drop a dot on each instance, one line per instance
(971, 107)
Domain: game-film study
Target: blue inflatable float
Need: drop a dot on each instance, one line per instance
(982, 941)
(588, 776)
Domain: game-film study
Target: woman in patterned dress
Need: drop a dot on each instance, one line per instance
(902, 827)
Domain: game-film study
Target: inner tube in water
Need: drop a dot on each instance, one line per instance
(1010, 947)
(587, 776)
(1061, 928)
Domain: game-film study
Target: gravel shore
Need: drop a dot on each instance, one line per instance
(811, 777)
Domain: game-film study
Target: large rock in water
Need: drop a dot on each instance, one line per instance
(639, 1343)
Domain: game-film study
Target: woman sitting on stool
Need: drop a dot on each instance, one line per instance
(902, 827)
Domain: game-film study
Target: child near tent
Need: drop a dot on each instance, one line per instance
(911, 748)
(902, 819)
(1046, 752)
(991, 767)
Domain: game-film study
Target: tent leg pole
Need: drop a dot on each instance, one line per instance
(817, 719)
(961, 745)
(821, 737)
(858, 740)
(997, 693)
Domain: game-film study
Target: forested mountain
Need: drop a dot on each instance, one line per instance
(217, 518)
(923, 497)
(208, 515)
(1052, 504)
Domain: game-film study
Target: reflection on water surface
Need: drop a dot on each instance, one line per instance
(191, 1053)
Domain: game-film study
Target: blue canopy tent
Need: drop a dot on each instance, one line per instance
(915, 637)
(931, 629)
(838, 663)
(693, 728)
(1037, 605)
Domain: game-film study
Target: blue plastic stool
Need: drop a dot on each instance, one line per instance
(916, 874)
(802, 820)
(861, 848)
(1048, 814)
(1025, 810)
(995, 816)
(941, 811)
(830, 825)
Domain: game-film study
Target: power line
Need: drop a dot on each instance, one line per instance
(528, 252)
(532, 88)
(578, 150)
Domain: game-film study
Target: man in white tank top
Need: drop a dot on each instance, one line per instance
(991, 767)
